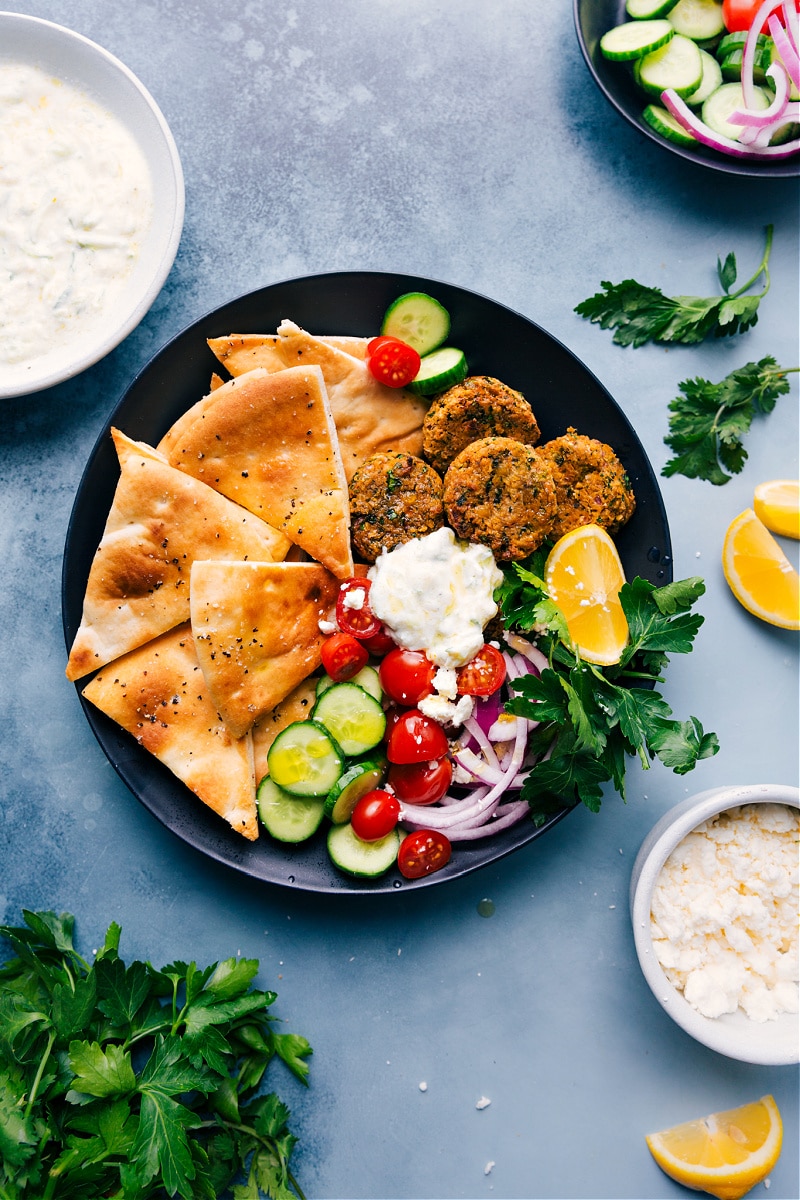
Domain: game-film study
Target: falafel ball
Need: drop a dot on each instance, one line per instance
(592, 486)
(394, 497)
(500, 493)
(478, 407)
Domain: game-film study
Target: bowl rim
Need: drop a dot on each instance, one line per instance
(718, 1034)
(167, 224)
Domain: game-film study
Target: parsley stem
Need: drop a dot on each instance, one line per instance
(39, 1073)
(763, 269)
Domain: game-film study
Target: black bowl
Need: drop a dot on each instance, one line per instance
(592, 19)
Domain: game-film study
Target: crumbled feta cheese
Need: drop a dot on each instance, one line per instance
(423, 1087)
(484, 1102)
(354, 598)
(724, 913)
(440, 709)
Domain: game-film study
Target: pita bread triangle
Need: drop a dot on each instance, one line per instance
(158, 694)
(369, 416)
(160, 520)
(256, 632)
(268, 442)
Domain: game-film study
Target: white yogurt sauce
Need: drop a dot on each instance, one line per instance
(435, 594)
(76, 198)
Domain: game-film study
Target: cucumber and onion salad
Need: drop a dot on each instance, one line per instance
(710, 77)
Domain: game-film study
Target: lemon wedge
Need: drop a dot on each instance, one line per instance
(583, 576)
(777, 504)
(725, 1154)
(758, 572)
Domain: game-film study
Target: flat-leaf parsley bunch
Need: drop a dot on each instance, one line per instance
(129, 1082)
(591, 719)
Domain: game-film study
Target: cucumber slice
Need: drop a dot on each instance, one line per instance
(663, 122)
(357, 780)
(634, 39)
(700, 20)
(736, 41)
(417, 319)
(367, 678)
(712, 78)
(365, 860)
(646, 10)
(286, 817)
(676, 65)
(731, 65)
(354, 717)
(725, 100)
(439, 371)
(304, 759)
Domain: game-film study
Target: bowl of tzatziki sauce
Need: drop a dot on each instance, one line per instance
(91, 203)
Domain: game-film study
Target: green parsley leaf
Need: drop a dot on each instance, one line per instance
(708, 420)
(640, 314)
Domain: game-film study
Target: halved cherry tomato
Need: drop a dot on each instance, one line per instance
(375, 815)
(416, 738)
(422, 852)
(739, 15)
(421, 783)
(353, 613)
(407, 676)
(379, 643)
(392, 362)
(483, 674)
(342, 656)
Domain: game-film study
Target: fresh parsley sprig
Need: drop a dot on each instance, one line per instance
(591, 719)
(708, 420)
(129, 1082)
(640, 314)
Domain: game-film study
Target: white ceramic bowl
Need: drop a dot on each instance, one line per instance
(733, 1034)
(103, 78)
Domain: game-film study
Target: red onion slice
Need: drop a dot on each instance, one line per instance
(771, 115)
(788, 53)
(684, 115)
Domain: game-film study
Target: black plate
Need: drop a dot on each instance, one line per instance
(498, 342)
(592, 19)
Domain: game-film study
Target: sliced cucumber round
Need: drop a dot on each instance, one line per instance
(647, 10)
(712, 78)
(700, 20)
(365, 860)
(355, 782)
(305, 759)
(286, 817)
(354, 717)
(633, 39)
(438, 371)
(731, 65)
(676, 65)
(725, 100)
(367, 678)
(736, 41)
(419, 320)
(660, 119)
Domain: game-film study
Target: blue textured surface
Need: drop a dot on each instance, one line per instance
(464, 141)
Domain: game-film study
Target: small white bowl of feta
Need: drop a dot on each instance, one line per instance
(91, 203)
(714, 907)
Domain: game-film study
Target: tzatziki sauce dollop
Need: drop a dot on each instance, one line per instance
(435, 593)
(76, 200)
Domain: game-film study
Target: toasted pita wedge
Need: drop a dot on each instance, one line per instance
(369, 417)
(256, 631)
(240, 352)
(268, 442)
(296, 707)
(158, 694)
(160, 521)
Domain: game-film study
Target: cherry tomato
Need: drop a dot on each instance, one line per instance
(375, 815)
(421, 783)
(392, 362)
(483, 674)
(407, 676)
(343, 656)
(379, 643)
(422, 852)
(353, 613)
(739, 15)
(416, 738)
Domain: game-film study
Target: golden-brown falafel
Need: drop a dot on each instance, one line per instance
(479, 407)
(500, 493)
(592, 486)
(394, 497)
